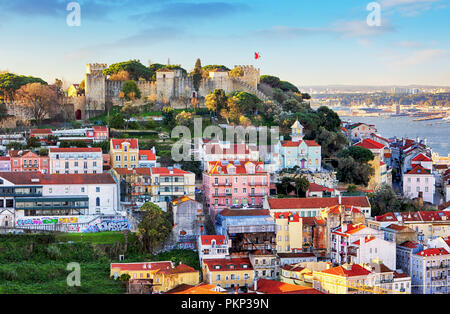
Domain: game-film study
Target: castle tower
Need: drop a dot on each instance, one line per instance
(297, 131)
(95, 93)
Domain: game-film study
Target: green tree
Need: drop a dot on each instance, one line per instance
(135, 69)
(329, 119)
(197, 75)
(270, 80)
(301, 185)
(353, 172)
(43, 152)
(216, 101)
(130, 90)
(384, 200)
(104, 145)
(359, 154)
(154, 228)
(168, 116)
(10, 83)
(33, 142)
(285, 185)
(117, 121)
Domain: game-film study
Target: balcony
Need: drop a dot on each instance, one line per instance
(222, 184)
(256, 194)
(222, 195)
(257, 183)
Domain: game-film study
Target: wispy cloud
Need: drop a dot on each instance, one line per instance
(354, 29)
(408, 7)
(415, 58)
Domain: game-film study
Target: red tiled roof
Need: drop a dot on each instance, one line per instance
(418, 169)
(317, 202)
(292, 267)
(240, 167)
(386, 217)
(133, 142)
(37, 178)
(351, 229)
(76, 150)
(387, 155)
(294, 217)
(421, 157)
(369, 144)
(165, 171)
(149, 153)
(433, 252)
(410, 244)
(366, 240)
(100, 128)
(399, 275)
(40, 131)
(355, 270)
(137, 171)
(339, 209)
(21, 153)
(311, 143)
(179, 269)
(276, 287)
(290, 143)
(396, 227)
(206, 239)
(237, 263)
(314, 187)
(142, 266)
(5, 158)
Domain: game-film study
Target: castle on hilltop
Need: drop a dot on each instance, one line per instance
(171, 86)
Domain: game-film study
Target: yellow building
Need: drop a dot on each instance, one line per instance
(289, 232)
(163, 274)
(72, 91)
(344, 279)
(169, 278)
(124, 153)
(138, 270)
(229, 272)
(295, 274)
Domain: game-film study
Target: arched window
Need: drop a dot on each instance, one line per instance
(97, 201)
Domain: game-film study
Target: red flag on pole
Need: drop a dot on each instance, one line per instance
(257, 56)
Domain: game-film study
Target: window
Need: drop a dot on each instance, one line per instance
(97, 201)
(97, 189)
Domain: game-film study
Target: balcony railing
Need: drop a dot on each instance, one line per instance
(222, 184)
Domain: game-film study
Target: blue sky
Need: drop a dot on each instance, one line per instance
(303, 41)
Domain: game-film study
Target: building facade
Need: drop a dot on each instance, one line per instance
(76, 160)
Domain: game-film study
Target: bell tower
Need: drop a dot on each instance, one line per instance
(297, 132)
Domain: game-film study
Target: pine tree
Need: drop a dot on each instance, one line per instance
(197, 75)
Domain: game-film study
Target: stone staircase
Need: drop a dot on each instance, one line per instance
(250, 89)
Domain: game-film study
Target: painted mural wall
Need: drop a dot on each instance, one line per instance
(85, 224)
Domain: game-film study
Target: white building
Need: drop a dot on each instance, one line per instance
(76, 160)
(430, 271)
(419, 182)
(369, 247)
(343, 242)
(34, 199)
(213, 247)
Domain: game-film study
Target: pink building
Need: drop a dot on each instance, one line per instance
(98, 133)
(26, 160)
(235, 183)
(76, 160)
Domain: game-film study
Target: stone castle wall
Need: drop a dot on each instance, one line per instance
(169, 87)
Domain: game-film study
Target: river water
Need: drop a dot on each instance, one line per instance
(437, 132)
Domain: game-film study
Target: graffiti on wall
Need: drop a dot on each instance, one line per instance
(108, 225)
(39, 221)
(87, 224)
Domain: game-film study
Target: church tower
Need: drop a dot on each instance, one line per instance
(297, 132)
